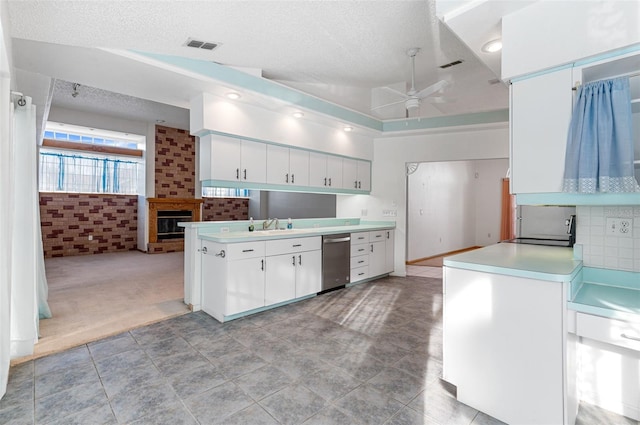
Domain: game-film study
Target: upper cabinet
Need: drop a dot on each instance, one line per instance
(232, 162)
(229, 159)
(540, 117)
(356, 174)
(287, 166)
(325, 171)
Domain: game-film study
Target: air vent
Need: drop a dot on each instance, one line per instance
(450, 64)
(200, 44)
(494, 81)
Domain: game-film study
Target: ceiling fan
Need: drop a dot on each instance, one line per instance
(412, 97)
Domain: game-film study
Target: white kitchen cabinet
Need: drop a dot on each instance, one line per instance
(359, 256)
(356, 174)
(230, 159)
(287, 166)
(325, 171)
(294, 269)
(505, 346)
(233, 278)
(389, 251)
(609, 358)
(377, 253)
(540, 116)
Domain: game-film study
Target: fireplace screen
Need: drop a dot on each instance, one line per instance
(168, 224)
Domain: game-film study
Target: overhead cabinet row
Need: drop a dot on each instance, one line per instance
(255, 164)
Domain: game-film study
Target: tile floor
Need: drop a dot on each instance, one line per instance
(370, 354)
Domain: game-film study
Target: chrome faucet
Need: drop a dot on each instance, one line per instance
(268, 222)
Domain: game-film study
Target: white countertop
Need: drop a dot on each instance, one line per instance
(532, 261)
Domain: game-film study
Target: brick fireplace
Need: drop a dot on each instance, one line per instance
(164, 214)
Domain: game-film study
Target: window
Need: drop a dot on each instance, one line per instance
(77, 159)
(222, 192)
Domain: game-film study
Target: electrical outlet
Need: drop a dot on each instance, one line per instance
(90, 237)
(621, 227)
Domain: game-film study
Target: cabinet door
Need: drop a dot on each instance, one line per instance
(253, 161)
(308, 273)
(540, 117)
(389, 250)
(334, 172)
(280, 282)
(245, 285)
(317, 169)
(225, 159)
(364, 176)
(377, 258)
(299, 167)
(350, 173)
(278, 165)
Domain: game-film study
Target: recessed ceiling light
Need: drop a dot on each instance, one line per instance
(492, 46)
(348, 129)
(298, 114)
(233, 95)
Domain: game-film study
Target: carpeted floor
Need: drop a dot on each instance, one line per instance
(96, 296)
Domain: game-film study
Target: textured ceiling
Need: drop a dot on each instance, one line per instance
(336, 50)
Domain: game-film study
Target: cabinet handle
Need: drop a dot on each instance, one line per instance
(356, 184)
(247, 250)
(221, 254)
(204, 250)
(633, 338)
(387, 235)
(299, 260)
(360, 274)
(245, 173)
(329, 181)
(360, 249)
(237, 174)
(292, 176)
(325, 181)
(286, 178)
(262, 265)
(293, 260)
(361, 261)
(359, 185)
(371, 247)
(378, 236)
(296, 245)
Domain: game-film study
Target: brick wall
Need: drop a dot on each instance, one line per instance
(223, 209)
(67, 220)
(175, 171)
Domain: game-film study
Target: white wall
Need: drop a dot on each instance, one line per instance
(389, 176)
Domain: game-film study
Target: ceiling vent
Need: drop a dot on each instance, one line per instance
(200, 44)
(450, 64)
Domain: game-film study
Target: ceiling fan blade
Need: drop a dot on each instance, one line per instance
(433, 88)
(394, 91)
(388, 104)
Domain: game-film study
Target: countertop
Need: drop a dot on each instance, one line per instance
(262, 235)
(531, 261)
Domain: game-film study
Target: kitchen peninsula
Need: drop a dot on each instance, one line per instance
(231, 272)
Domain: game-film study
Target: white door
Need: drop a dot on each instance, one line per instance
(350, 173)
(389, 250)
(299, 167)
(364, 175)
(254, 162)
(278, 165)
(245, 285)
(280, 282)
(377, 258)
(334, 172)
(308, 273)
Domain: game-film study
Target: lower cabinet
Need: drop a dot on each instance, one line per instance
(245, 285)
(371, 254)
(506, 348)
(294, 275)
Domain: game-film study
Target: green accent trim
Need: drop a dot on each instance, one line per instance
(618, 278)
(581, 62)
(501, 115)
(266, 87)
(278, 91)
(281, 187)
(571, 199)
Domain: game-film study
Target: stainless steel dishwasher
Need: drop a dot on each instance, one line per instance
(336, 257)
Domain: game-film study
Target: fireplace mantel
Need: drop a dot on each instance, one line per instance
(169, 204)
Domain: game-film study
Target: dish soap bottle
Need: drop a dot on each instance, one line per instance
(289, 224)
(251, 227)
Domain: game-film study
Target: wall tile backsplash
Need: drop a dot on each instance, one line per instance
(606, 241)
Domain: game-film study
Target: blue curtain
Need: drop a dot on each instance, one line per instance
(599, 156)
